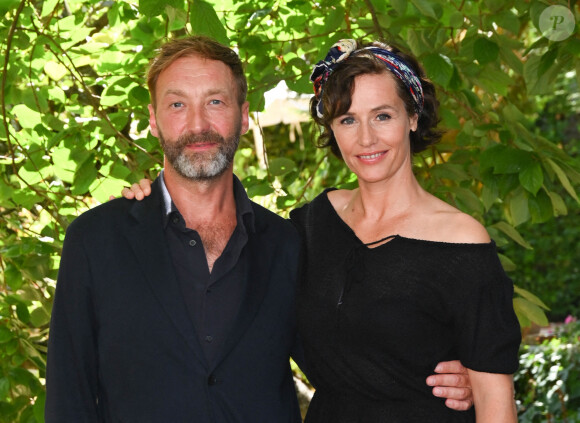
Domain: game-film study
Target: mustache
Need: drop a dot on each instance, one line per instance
(189, 138)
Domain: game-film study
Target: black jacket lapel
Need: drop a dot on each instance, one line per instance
(148, 241)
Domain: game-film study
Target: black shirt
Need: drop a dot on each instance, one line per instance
(212, 299)
(375, 322)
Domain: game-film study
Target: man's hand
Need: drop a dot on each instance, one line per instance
(137, 191)
(452, 382)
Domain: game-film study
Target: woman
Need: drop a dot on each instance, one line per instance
(390, 270)
(395, 280)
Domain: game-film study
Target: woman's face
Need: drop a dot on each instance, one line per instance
(373, 136)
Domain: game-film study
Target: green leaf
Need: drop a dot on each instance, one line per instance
(519, 210)
(101, 189)
(530, 311)
(4, 388)
(152, 7)
(117, 92)
(335, 19)
(5, 334)
(139, 94)
(505, 160)
(532, 177)
(55, 70)
(281, 166)
(506, 263)
(541, 208)
(508, 20)
(425, 8)
(510, 231)
(39, 317)
(27, 118)
(205, 21)
(13, 276)
(6, 5)
(530, 297)
(84, 177)
(400, 6)
(38, 408)
(558, 204)
(485, 51)
(564, 180)
(26, 199)
(456, 20)
(260, 190)
(539, 83)
(439, 68)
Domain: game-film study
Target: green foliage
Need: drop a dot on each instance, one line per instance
(74, 123)
(548, 380)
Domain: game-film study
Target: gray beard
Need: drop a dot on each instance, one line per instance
(205, 166)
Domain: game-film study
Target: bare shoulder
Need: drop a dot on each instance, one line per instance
(458, 227)
(339, 198)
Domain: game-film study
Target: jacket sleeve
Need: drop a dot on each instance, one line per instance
(72, 364)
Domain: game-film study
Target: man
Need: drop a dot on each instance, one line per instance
(180, 308)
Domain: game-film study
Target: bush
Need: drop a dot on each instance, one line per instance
(548, 381)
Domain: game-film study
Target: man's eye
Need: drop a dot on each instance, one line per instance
(215, 101)
(176, 105)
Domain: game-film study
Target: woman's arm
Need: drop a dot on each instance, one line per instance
(493, 397)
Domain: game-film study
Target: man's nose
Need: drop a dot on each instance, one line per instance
(197, 120)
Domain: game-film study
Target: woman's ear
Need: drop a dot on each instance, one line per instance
(413, 122)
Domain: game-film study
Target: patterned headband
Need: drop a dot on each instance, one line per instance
(343, 49)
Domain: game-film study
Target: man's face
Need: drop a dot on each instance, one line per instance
(197, 117)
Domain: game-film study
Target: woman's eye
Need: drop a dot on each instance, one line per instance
(383, 116)
(347, 121)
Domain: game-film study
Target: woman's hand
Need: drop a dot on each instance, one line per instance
(137, 191)
(452, 383)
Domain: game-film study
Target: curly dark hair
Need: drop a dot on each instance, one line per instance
(338, 90)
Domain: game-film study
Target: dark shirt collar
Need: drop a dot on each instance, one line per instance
(244, 210)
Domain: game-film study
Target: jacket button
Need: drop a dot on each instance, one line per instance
(211, 380)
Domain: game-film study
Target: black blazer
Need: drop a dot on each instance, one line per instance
(122, 347)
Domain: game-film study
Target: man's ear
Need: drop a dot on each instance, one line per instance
(245, 110)
(153, 121)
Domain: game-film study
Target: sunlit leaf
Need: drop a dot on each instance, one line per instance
(510, 231)
(55, 70)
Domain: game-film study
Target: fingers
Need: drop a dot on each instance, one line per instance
(459, 405)
(454, 366)
(128, 193)
(457, 380)
(459, 394)
(145, 185)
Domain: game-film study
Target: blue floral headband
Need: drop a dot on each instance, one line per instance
(342, 51)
